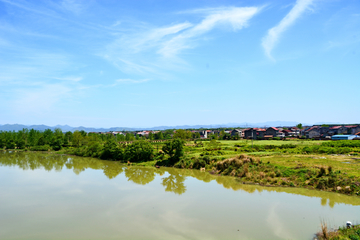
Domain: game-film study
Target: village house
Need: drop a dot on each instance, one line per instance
(312, 132)
(295, 131)
(353, 129)
(236, 132)
(272, 131)
(203, 134)
(254, 133)
(287, 132)
(337, 130)
(116, 133)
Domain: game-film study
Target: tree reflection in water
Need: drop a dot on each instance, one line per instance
(175, 182)
(140, 175)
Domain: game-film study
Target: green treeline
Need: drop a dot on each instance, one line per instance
(103, 146)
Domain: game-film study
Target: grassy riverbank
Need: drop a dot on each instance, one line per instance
(277, 163)
(323, 165)
(343, 233)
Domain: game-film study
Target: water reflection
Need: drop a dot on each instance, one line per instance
(140, 175)
(173, 181)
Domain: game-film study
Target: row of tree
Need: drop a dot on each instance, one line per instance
(104, 146)
(44, 140)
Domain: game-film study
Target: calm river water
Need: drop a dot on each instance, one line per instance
(44, 196)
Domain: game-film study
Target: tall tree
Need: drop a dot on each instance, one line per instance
(174, 148)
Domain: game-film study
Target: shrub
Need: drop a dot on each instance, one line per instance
(322, 171)
(174, 149)
(139, 151)
(40, 148)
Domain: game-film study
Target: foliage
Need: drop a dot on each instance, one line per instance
(139, 151)
(111, 150)
(182, 134)
(213, 145)
(174, 149)
(343, 233)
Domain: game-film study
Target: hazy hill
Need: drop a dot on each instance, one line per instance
(65, 128)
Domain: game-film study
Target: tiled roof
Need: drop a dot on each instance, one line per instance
(312, 128)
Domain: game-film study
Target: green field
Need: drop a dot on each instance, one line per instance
(279, 163)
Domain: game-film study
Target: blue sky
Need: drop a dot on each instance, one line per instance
(152, 62)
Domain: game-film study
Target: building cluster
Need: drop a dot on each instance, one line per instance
(312, 132)
(327, 132)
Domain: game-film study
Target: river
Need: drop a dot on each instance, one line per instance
(48, 196)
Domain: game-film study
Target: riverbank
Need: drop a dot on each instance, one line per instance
(342, 233)
(267, 163)
(274, 171)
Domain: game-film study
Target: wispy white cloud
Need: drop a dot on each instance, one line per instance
(235, 17)
(152, 51)
(273, 35)
(30, 8)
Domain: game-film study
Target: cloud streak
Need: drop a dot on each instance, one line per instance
(273, 35)
(151, 52)
(235, 17)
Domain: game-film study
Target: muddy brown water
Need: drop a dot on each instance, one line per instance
(47, 196)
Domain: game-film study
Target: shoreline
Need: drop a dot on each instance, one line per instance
(143, 164)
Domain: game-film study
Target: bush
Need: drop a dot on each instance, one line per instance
(174, 148)
(111, 150)
(140, 151)
(40, 148)
(10, 144)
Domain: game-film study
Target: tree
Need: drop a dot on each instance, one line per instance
(196, 135)
(213, 145)
(10, 144)
(57, 143)
(111, 150)
(151, 136)
(48, 136)
(139, 151)
(299, 126)
(41, 141)
(20, 143)
(159, 135)
(174, 148)
(77, 138)
(182, 134)
(129, 137)
(83, 133)
(69, 136)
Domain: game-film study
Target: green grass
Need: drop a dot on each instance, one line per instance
(270, 142)
(275, 166)
(343, 233)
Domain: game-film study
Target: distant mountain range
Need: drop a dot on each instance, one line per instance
(65, 128)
